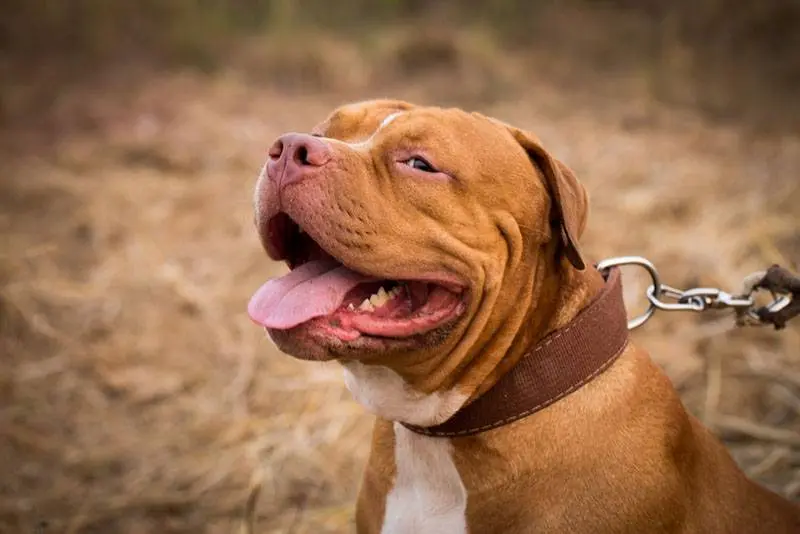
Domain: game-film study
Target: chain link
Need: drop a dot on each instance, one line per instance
(667, 298)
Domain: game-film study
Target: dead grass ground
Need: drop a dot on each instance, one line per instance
(136, 396)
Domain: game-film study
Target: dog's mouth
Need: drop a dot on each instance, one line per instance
(338, 301)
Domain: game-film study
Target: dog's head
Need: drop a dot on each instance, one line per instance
(412, 233)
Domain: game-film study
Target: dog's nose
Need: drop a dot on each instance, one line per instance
(294, 156)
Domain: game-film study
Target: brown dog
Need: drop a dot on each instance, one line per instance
(433, 252)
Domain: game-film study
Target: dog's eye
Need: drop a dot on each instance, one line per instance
(420, 164)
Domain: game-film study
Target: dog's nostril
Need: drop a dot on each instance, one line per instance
(276, 150)
(299, 150)
(302, 155)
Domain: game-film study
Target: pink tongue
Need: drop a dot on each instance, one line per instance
(312, 290)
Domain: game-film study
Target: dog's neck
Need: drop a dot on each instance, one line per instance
(548, 300)
(429, 394)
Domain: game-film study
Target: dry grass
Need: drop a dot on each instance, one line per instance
(136, 396)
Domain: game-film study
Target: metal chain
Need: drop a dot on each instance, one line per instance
(668, 298)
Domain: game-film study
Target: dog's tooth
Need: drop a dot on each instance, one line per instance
(380, 298)
(366, 305)
(351, 307)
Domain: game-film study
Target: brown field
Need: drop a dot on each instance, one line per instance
(137, 397)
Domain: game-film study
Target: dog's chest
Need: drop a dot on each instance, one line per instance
(428, 494)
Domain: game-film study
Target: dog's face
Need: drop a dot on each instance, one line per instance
(406, 229)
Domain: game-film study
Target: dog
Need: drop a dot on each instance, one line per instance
(435, 254)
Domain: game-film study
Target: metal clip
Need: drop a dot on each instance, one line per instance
(655, 288)
(663, 297)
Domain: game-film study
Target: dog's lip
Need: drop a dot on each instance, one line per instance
(275, 246)
(267, 226)
(344, 349)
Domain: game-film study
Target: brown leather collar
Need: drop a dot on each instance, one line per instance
(558, 365)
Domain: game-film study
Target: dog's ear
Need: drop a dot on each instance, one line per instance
(570, 201)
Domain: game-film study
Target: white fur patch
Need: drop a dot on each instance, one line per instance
(388, 120)
(428, 496)
(367, 143)
(384, 393)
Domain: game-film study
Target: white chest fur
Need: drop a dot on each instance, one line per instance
(384, 393)
(428, 496)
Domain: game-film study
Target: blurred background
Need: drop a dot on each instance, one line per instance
(135, 394)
